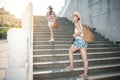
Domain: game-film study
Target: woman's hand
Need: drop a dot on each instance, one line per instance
(74, 35)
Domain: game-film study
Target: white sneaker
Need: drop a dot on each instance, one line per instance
(51, 40)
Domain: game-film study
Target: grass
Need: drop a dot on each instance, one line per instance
(3, 33)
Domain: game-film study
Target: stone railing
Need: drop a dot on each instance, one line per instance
(20, 45)
(27, 24)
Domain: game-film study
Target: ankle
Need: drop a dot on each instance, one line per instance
(51, 38)
(70, 66)
(85, 75)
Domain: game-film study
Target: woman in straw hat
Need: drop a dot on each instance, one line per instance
(51, 17)
(79, 44)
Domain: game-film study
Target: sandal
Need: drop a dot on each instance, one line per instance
(51, 40)
(84, 77)
(69, 68)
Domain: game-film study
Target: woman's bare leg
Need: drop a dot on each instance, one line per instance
(51, 32)
(85, 60)
(71, 51)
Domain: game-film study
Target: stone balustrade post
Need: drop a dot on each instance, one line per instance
(20, 49)
(17, 48)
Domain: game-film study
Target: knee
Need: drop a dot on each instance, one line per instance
(70, 51)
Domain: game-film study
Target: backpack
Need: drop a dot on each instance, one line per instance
(88, 35)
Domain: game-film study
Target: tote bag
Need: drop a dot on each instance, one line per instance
(88, 35)
(55, 24)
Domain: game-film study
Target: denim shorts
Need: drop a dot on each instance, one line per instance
(80, 43)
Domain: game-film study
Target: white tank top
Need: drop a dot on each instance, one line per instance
(51, 17)
(76, 31)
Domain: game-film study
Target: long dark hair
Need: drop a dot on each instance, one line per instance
(50, 12)
(78, 18)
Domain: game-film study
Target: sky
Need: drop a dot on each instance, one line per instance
(17, 7)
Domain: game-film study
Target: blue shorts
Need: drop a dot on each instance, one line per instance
(80, 43)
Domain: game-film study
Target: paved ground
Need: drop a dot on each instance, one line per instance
(3, 58)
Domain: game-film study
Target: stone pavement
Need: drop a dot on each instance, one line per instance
(3, 58)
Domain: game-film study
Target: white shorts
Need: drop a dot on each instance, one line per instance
(50, 24)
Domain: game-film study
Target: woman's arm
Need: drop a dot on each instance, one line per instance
(77, 24)
(55, 17)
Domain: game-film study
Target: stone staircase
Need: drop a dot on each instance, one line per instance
(50, 59)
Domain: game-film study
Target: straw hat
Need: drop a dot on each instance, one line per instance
(76, 13)
(50, 7)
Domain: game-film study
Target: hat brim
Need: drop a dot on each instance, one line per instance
(49, 8)
(75, 14)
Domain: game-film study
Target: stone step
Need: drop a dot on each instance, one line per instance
(62, 36)
(55, 33)
(65, 39)
(59, 33)
(44, 26)
(77, 62)
(115, 75)
(54, 57)
(58, 36)
(68, 42)
(65, 50)
(61, 72)
(60, 27)
(54, 29)
(62, 46)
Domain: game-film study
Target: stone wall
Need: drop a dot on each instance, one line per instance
(104, 15)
